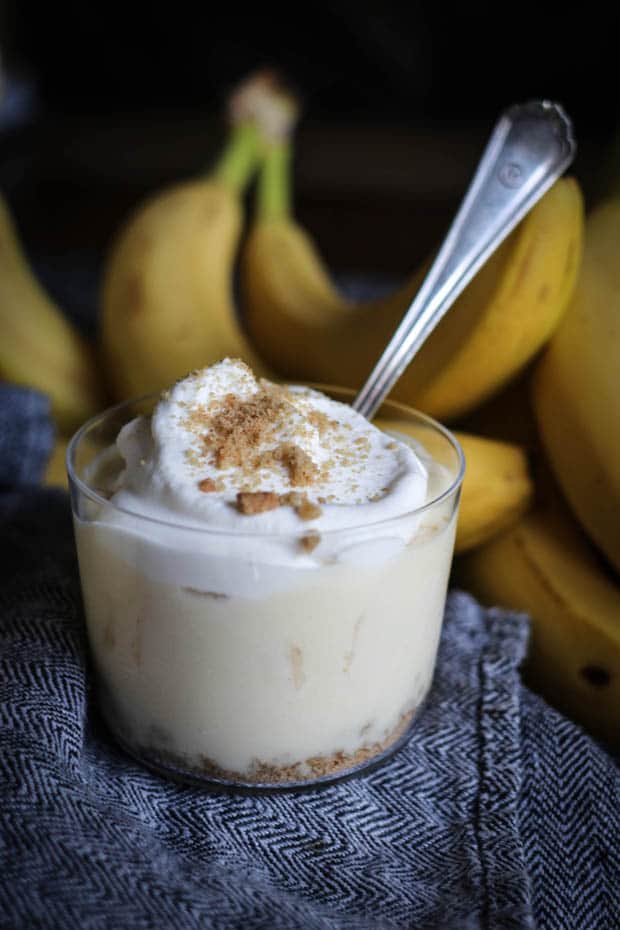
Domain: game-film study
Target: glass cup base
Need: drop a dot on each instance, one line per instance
(174, 768)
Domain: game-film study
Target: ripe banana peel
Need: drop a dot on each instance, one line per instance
(497, 487)
(307, 330)
(507, 415)
(167, 302)
(545, 565)
(576, 388)
(39, 347)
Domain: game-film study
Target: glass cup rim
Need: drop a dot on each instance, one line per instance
(404, 409)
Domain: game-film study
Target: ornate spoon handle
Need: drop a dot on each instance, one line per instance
(531, 146)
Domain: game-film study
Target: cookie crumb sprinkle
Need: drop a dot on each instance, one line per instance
(251, 502)
(309, 542)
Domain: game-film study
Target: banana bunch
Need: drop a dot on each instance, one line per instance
(38, 346)
(576, 388)
(560, 562)
(301, 324)
(546, 566)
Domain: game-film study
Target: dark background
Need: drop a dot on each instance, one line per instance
(110, 100)
(415, 64)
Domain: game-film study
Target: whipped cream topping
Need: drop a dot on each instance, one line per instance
(223, 450)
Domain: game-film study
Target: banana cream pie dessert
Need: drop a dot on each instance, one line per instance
(264, 576)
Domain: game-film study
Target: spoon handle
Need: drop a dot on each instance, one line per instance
(530, 147)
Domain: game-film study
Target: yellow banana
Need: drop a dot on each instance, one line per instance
(305, 328)
(497, 487)
(167, 303)
(507, 415)
(39, 347)
(545, 566)
(576, 387)
(55, 474)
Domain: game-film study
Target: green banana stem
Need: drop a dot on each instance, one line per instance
(239, 159)
(273, 198)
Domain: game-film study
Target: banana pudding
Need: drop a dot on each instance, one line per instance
(264, 575)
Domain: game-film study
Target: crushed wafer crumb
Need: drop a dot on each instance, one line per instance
(262, 439)
(236, 428)
(266, 773)
(301, 469)
(251, 502)
(310, 541)
(308, 511)
(234, 432)
(298, 464)
(303, 507)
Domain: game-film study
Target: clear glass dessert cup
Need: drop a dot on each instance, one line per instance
(262, 662)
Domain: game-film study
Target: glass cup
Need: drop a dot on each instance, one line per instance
(262, 661)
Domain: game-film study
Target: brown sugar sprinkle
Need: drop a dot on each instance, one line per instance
(321, 421)
(277, 390)
(251, 502)
(207, 485)
(309, 542)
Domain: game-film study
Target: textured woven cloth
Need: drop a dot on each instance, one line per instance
(498, 813)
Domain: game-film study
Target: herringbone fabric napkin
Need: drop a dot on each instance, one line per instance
(497, 814)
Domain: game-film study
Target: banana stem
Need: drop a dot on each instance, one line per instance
(274, 184)
(239, 159)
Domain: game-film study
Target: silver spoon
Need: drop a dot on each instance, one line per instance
(531, 146)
